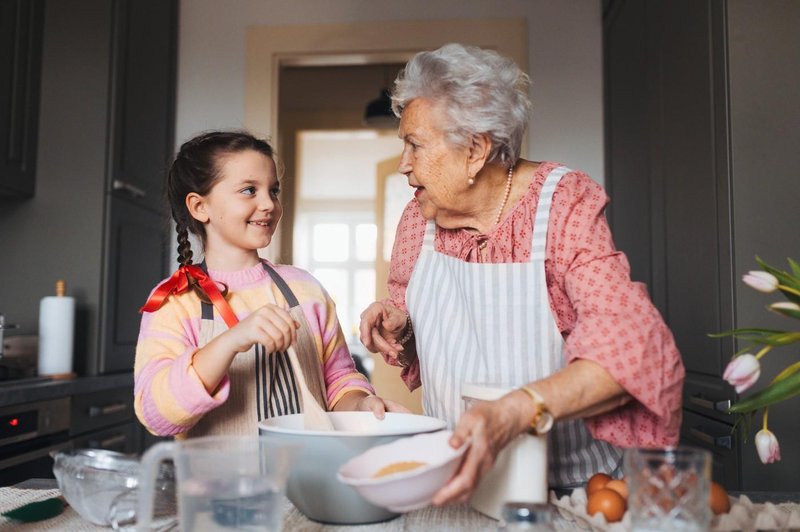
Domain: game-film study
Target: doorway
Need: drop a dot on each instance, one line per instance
(271, 50)
(330, 193)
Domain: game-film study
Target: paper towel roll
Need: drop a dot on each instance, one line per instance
(56, 335)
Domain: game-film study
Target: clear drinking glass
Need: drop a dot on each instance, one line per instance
(669, 488)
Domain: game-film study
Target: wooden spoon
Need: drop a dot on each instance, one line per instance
(314, 416)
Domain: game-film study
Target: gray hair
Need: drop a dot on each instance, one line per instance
(481, 92)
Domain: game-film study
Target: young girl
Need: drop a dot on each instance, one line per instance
(211, 356)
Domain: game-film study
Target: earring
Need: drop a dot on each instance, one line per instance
(471, 181)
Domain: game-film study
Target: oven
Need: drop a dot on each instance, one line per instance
(102, 418)
(29, 432)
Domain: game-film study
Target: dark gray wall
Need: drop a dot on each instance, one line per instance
(703, 168)
(764, 63)
(58, 233)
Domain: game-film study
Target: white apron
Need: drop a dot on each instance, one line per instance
(262, 385)
(492, 324)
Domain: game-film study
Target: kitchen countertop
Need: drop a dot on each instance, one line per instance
(40, 388)
(457, 517)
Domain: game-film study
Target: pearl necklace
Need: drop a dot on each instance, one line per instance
(502, 207)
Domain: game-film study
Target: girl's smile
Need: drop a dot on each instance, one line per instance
(242, 210)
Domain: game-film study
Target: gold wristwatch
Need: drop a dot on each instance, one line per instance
(543, 420)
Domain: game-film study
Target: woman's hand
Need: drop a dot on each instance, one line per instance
(489, 426)
(381, 327)
(363, 402)
(271, 326)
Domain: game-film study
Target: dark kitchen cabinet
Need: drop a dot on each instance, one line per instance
(107, 117)
(142, 99)
(136, 254)
(701, 137)
(144, 53)
(105, 420)
(21, 23)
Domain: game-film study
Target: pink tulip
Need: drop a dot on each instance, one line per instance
(761, 281)
(786, 308)
(742, 372)
(767, 445)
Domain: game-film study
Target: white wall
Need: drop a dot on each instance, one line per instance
(565, 61)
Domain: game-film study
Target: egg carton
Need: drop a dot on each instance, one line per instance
(744, 515)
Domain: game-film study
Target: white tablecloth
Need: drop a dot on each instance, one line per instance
(751, 517)
(461, 518)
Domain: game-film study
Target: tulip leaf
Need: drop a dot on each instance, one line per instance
(752, 333)
(788, 312)
(787, 387)
(787, 372)
(795, 268)
(794, 298)
(784, 338)
(785, 279)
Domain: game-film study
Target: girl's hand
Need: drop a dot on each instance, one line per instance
(270, 326)
(379, 406)
(359, 400)
(380, 328)
(489, 426)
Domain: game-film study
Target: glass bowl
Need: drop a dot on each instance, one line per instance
(101, 485)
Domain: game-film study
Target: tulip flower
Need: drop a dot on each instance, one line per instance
(761, 281)
(767, 444)
(787, 308)
(742, 372)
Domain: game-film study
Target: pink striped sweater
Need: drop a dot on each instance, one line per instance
(169, 396)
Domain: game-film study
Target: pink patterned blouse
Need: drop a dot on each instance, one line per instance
(603, 315)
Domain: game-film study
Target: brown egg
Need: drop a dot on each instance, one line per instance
(598, 480)
(607, 502)
(619, 486)
(718, 499)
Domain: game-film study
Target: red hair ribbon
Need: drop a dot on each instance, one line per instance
(178, 283)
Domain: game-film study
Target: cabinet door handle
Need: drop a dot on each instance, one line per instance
(95, 411)
(717, 406)
(725, 442)
(133, 190)
(117, 441)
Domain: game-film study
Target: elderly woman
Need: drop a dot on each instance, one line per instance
(504, 271)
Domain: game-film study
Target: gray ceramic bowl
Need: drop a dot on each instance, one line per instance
(313, 486)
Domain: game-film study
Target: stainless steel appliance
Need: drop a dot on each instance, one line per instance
(28, 433)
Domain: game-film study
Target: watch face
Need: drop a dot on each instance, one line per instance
(544, 423)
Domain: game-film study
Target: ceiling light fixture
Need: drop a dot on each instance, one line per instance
(378, 113)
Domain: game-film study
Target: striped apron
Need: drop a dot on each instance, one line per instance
(492, 324)
(262, 385)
